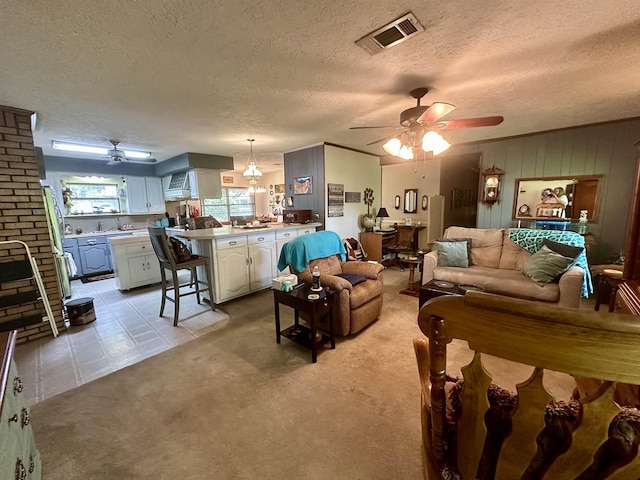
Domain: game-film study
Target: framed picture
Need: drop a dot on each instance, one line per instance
(279, 188)
(351, 197)
(303, 185)
(335, 198)
(227, 179)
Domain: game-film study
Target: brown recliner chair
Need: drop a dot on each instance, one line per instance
(354, 307)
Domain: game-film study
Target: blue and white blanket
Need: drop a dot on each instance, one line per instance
(531, 240)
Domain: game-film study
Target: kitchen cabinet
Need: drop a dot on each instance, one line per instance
(205, 183)
(70, 245)
(94, 254)
(243, 264)
(134, 262)
(283, 237)
(19, 457)
(145, 195)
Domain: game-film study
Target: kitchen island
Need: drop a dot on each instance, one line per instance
(243, 260)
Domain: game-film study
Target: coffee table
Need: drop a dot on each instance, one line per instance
(436, 288)
(315, 308)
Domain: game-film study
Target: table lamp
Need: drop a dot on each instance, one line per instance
(382, 213)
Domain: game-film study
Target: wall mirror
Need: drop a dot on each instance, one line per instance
(411, 200)
(397, 202)
(557, 198)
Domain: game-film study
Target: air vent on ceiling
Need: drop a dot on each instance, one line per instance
(392, 34)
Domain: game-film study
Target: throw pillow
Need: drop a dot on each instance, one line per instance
(452, 254)
(468, 240)
(179, 250)
(545, 265)
(563, 249)
(353, 278)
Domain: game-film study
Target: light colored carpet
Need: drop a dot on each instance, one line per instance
(235, 405)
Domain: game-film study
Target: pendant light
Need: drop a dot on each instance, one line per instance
(252, 173)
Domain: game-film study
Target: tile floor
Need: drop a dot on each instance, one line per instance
(127, 330)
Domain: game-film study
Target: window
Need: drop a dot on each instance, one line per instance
(234, 202)
(88, 198)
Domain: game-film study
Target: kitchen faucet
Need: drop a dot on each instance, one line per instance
(99, 225)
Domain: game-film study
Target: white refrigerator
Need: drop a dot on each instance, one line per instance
(56, 233)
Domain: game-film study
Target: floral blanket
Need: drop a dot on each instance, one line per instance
(531, 240)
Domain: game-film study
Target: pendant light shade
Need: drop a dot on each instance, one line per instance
(252, 173)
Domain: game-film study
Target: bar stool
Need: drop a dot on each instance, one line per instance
(167, 261)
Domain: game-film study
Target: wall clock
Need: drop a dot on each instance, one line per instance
(491, 184)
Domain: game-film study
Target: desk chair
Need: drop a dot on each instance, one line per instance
(479, 431)
(163, 250)
(403, 243)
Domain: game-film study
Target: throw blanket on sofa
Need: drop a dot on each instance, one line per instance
(301, 250)
(531, 240)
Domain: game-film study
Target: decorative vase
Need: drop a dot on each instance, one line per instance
(368, 222)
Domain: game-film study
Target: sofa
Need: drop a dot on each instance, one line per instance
(497, 262)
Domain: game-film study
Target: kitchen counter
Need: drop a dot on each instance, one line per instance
(228, 231)
(107, 233)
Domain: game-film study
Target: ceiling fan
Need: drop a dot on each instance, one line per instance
(117, 156)
(419, 125)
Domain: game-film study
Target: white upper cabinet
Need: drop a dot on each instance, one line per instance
(205, 183)
(145, 195)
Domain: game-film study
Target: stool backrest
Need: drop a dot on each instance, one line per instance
(158, 237)
(592, 437)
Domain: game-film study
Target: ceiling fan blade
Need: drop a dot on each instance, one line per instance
(141, 160)
(379, 126)
(436, 111)
(470, 122)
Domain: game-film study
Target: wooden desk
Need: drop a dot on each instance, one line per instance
(372, 242)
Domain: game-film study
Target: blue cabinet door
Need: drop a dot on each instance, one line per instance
(70, 245)
(94, 259)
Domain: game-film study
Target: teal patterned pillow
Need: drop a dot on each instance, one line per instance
(545, 265)
(452, 254)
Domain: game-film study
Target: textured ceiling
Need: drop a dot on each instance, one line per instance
(172, 76)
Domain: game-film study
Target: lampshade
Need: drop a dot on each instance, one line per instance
(382, 212)
(434, 142)
(252, 173)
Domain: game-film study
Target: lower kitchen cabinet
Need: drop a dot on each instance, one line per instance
(94, 254)
(134, 262)
(19, 457)
(70, 245)
(243, 264)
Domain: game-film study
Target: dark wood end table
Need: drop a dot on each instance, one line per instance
(298, 299)
(608, 279)
(411, 264)
(437, 288)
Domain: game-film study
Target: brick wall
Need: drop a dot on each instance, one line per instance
(22, 217)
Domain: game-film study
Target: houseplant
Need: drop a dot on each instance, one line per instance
(368, 220)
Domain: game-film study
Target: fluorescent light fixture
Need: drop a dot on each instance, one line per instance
(74, 147)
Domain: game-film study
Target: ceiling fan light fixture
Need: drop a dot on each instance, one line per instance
(434, 142)
(406, 152)
(392, 147)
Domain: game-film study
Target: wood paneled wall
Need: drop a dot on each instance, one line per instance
(606, 149)
(302, 163)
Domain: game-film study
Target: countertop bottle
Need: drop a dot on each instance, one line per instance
(316, 278)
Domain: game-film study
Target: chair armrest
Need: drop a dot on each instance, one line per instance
(336, 284)
(429, 264)
(570, 285)
(366, 269)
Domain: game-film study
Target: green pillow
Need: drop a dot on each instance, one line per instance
(452, 254)
(545, 265)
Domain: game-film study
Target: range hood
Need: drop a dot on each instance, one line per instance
(179, 187)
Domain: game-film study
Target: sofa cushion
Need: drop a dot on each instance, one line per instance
(545, 265)
(506, 282)
(486, 244)
(468, 240)
(452, 254)
(563, 249)
(513, 255)
(363, 292)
